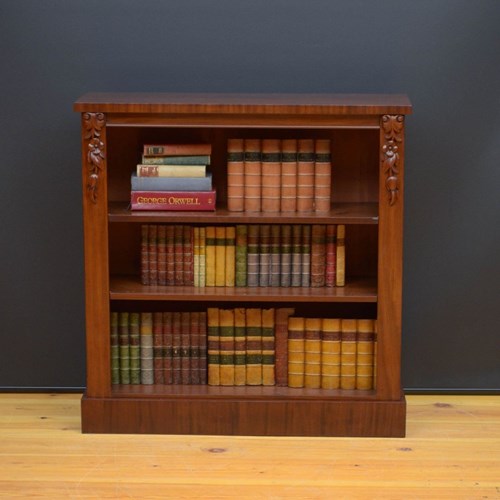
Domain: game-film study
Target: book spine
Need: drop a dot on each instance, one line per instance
(268, 347)
(288, 175)
(220, 256)
(196, 257)
(348, 354)
(213, 346)
(286, 255)
(185, 348)
(177, 149)
(253, 255)
(168, 341)
(241, 255)
(210, 256)
(145, 254)
(169, 184)
(330, 353)
(195, 344)
(153, 254)
(322, 176)
(254, 346)
(275, 271)
(226, 346)
(230, 256)
(240, 370)
(176, 160)
(183, 171)
(296, 351)
(271, 175)
(179, 254)
(187, 256)
(170, 248)
(203, 349)
(312, 353)
(124, 341)
(264, 254)
(158, 348)
(364, 355)
(173, 200)
(146, 342)
(162, 255)
(305, 175)
(203, 257)
(281, 344)
(331, 255)
(176, 348)
(340, 261)
(306, 256)
(235, 175)
(296, 255)
(375, 347)
(135, 348)
(253, 174)
(318, 255)
(115, 348)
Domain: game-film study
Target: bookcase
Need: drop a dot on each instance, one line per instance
(367, 141)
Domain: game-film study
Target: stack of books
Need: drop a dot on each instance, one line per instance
(173, 177)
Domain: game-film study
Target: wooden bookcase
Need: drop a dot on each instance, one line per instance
(367, 137)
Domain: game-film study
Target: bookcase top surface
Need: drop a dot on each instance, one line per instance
(331, 104)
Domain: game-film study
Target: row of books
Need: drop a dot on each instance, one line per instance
(266, 255)
(173, 177)
(158, 348)
(272, 175)
(243, 346)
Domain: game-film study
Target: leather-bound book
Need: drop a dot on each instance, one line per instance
(226, 346)
(253, 255)
(240, 369)
(158, 348)
(146, 335)
(241, 255)
(275, 249)
(288, 175)
(296, 279)
(281, 344)
(168, 340)
(145, 254)
(375, 345)
(213, 346)
(162, 254)
(271, 175)
(179, 254)
(296, 351)
(330, 353)
(305, 269)
(322, 175)
(364, 354)
(195, 343)
(124, 341)
(210, 256)
(340, 265)
(230, 255)
(203, 257)
(235, 175)
(286, 255)
(348, 354)
(253, 175)
(187, 256)
(176, 348)
(264, 254)
(268, 347)
(331, 255)
(312, 353)
(170, 244)
(153, 254)
(318, 255)
(203, 348)
(305, 175)
(135, 348)
(185, 348)
(220, 256)
(115, 348)
(196, 256)
(254, 346)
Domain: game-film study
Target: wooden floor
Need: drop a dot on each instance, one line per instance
(452, 450)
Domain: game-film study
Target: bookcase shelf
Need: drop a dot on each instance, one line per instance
(366, 133)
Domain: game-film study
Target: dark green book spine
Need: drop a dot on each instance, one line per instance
(115, 349)
(135, 349)
(241, 255)
(124, 348)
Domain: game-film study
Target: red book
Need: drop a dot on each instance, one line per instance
(177, 149)
(173, 200)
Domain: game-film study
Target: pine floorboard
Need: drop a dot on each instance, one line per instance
(452, 450)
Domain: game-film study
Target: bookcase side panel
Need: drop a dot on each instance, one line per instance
(95, 218)
(390, 256)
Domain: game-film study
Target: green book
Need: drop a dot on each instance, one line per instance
(115, 349)
(241, 255)
(135, 348)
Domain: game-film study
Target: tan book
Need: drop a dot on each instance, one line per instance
(220, 256)
(144, 170)
(268, 348)
(364, 354)
(253, 175)
(213, 341)
(288, 175)
(235, 175)
(296, 352)
(312, 353)
(271, 175)
(240, 369)
(340, 249)
(375, 344)
(348, 354)
(305, 175)
(322, 175)
(226, 346)
(330, 353)
(230, 255)
(254, 346)
(210, 256)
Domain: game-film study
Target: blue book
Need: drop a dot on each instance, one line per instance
(171, 183)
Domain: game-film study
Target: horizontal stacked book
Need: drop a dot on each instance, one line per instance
(158, 348)
(265, 255)
(173, 177)
(273, 175)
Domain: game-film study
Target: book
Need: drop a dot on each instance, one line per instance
(296, 351)
(177, 149)
(161, 254)
(203, 348)
(220, 256)
(179, 254)
(312, 353)
(296, 255)
(187, 255)
(253, 255)
(173, 200)
(176, 160)
(318, 255)
(271, 175)
(305, 265)
(288, 175)
(203, 257)
(281, 344)
(184, 171)
(134, 348)
(213, 341)
(171, 183)
(146, 348)
(226, 346)
(254, 346)
(145, 254)
(240, 369)
(340, 256)
(268, 347)
(170, 249)
(375, 346)
(286, 255)
(235, 175)
(158, 348)
(153, 254)
(115, 348)
(196, 256)
(348, 354)
(241, 255)
(331, 255)
(275, 248)
(264, 254)
(305, 175)
(253, 174)
(210, 256)
(230, 256)
(322, 175)
(364, 354)
(195, 344)
(330, 353)
(168, 340)
(176, 348)
(185, 348)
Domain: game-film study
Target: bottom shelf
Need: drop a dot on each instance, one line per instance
(283, 416)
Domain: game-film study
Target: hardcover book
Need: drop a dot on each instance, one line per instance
(305, 175)
(235, 175)
(173, 200)
(271, 175)
(364, 354)
(177, 149)
(226, 346)
(253, 174)
(171, 183)
(182, 171)
(348, 354)
(322, 175)
(134, 349)
(146, 348)
(330, 353)
(288, 175)
(268, 348)
(296, 351)
(213, 346)
(312, 353)
(254, 346)
(240, 369)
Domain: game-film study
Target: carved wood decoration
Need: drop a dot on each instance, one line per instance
(392, 126)
(93, 124)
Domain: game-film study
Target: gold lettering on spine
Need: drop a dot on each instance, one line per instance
(93, 124)
(392, 126)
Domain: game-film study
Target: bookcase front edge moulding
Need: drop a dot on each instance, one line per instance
(367, 143)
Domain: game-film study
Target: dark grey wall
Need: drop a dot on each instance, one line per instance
(443, 54)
